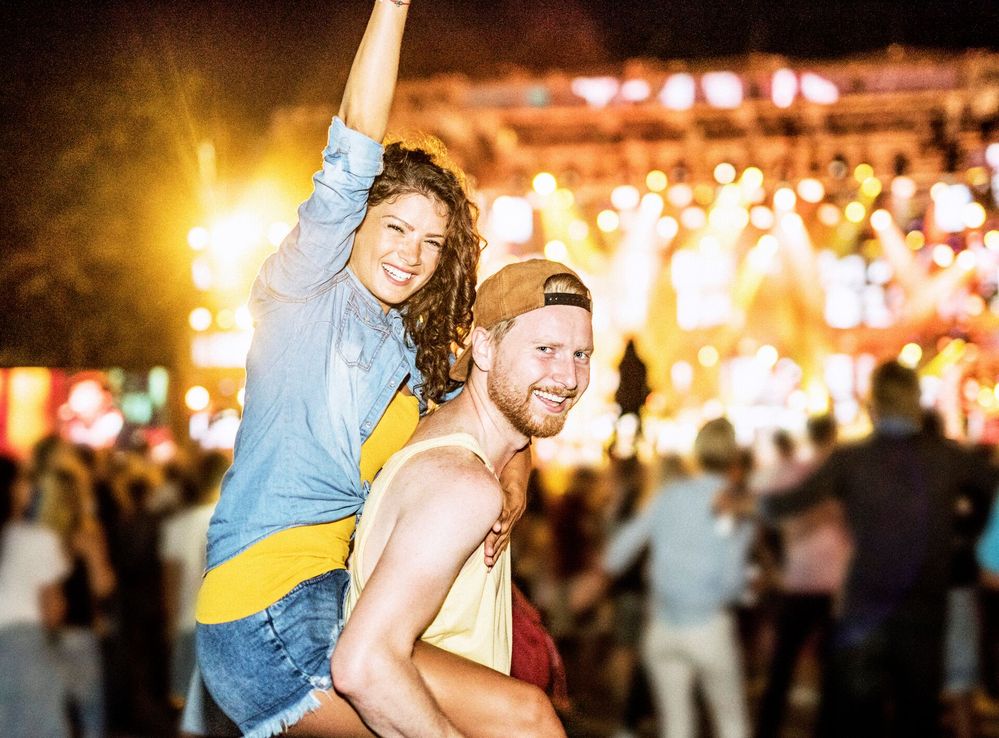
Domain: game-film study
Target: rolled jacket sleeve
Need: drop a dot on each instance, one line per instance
(319, 245)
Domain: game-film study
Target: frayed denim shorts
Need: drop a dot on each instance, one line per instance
(263, 669)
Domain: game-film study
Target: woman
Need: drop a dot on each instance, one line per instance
(355, 316)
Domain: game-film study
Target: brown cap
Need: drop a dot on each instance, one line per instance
(514, 290)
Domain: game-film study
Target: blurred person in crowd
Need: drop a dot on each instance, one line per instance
(33, 565)
(67, 507)
(182, 544)
(139, 647)
(987, 556)
(697, 571)
(815, 552)
(899, 488)
(356, 318)
(632, 391)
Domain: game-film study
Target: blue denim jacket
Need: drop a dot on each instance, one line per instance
(324, 364)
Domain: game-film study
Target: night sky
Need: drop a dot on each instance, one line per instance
(257, 55)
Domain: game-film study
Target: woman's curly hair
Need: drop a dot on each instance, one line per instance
(438, 316)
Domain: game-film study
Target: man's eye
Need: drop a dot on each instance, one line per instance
(545, 349)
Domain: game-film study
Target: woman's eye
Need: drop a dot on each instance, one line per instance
(436, 245)
(395, 227)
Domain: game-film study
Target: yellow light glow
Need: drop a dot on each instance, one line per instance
(752, 178)
(818, 398)
(784, 199)
(943, 255)
(761, 217)
(680, 195)
(767, 355)
(967, 260)
(241, 396)
(863, 172)
(992, 240)
(235, 233)
(855, 212)
(667, 227)
(870, 187)
(704, 194)
(625, 197)
(225, 319)
(880, 219)
(198, 238)
(986, 398)
(974, 215)
(578, 230)
(974, 305)
(693, 218)
(197, 398)
(995, 391)
(200, 319)
(903, 188)
(564, 198)
(811, 190)
(915, 240)
(910, 355)
(276, 232)
(244, 321)
(939, 190)
(724, 173)
(656, 180)
(828, 214)
(556, 250)
(978, 176)
(707, 356)
(544, 183)
(792, 222)
(608, 221)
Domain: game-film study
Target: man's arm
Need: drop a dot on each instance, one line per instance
(513, 480)
(445, 509)
(817, 486)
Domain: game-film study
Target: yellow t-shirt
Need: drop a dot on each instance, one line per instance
(268, 570)
(476, 619)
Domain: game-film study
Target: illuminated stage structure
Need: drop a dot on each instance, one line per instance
(767, 229)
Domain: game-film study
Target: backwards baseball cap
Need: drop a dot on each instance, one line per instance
(514, 290)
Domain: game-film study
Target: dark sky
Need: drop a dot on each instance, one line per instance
(259, 54)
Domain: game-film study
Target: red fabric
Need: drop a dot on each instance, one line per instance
(535, 657)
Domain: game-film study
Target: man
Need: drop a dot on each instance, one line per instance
(899, 489)
(697, 571)
(417, 567)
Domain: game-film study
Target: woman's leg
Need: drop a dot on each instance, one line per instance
(480, 702)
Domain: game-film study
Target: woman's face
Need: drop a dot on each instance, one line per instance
(398, 246)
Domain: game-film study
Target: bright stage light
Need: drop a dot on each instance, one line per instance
(679, 92)
(635, 90)
(974, 215)
(202, 273)
(608, 221)
(722, 89)
(597, 91)
(556, 251)
(767, 355)
(761, 217)
(707, 356)
(783, 88)
(200, 319)
(949, 205)
(544, 183)
(578, 230)
(828, 214)
(226, 319)
(512, 218)
(915, 240)
(818, 89)
(276, 232)
(943, 255)
(992, 240)
(863, 172)
(724, 173)
(811, 190)
(693, 218)
(879, 272)
(244, 321)
(992, 155)
(197, 398)
(784, 199)
(752, 179)
(870, 187)
(667, 227)
(652, 203)
(680, 195)
(625, 197)
(903, 188)
(656, 180)
(198, 238)
(967, 260)
(855, 212)
(881, 219)
(681, 375)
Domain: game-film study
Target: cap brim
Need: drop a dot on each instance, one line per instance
(462, 366)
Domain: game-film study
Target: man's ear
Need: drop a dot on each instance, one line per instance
(483, 350)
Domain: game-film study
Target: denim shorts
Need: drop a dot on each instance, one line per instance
(262, 670)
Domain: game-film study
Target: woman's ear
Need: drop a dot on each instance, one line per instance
(483, 349)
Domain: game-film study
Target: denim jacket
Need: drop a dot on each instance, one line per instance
(324, 364)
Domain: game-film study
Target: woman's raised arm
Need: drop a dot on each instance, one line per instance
(367, 98)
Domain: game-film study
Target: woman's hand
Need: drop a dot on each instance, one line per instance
(513, 480)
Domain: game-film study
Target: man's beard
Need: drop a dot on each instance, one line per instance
(516, 407)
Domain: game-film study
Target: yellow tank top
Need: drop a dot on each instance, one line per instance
(476, 618)
(269, 569)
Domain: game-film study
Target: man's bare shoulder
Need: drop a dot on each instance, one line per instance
(450, 473)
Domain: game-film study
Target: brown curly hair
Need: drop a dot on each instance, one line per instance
(439, 315)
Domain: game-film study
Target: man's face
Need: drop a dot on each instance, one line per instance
(541, 367)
